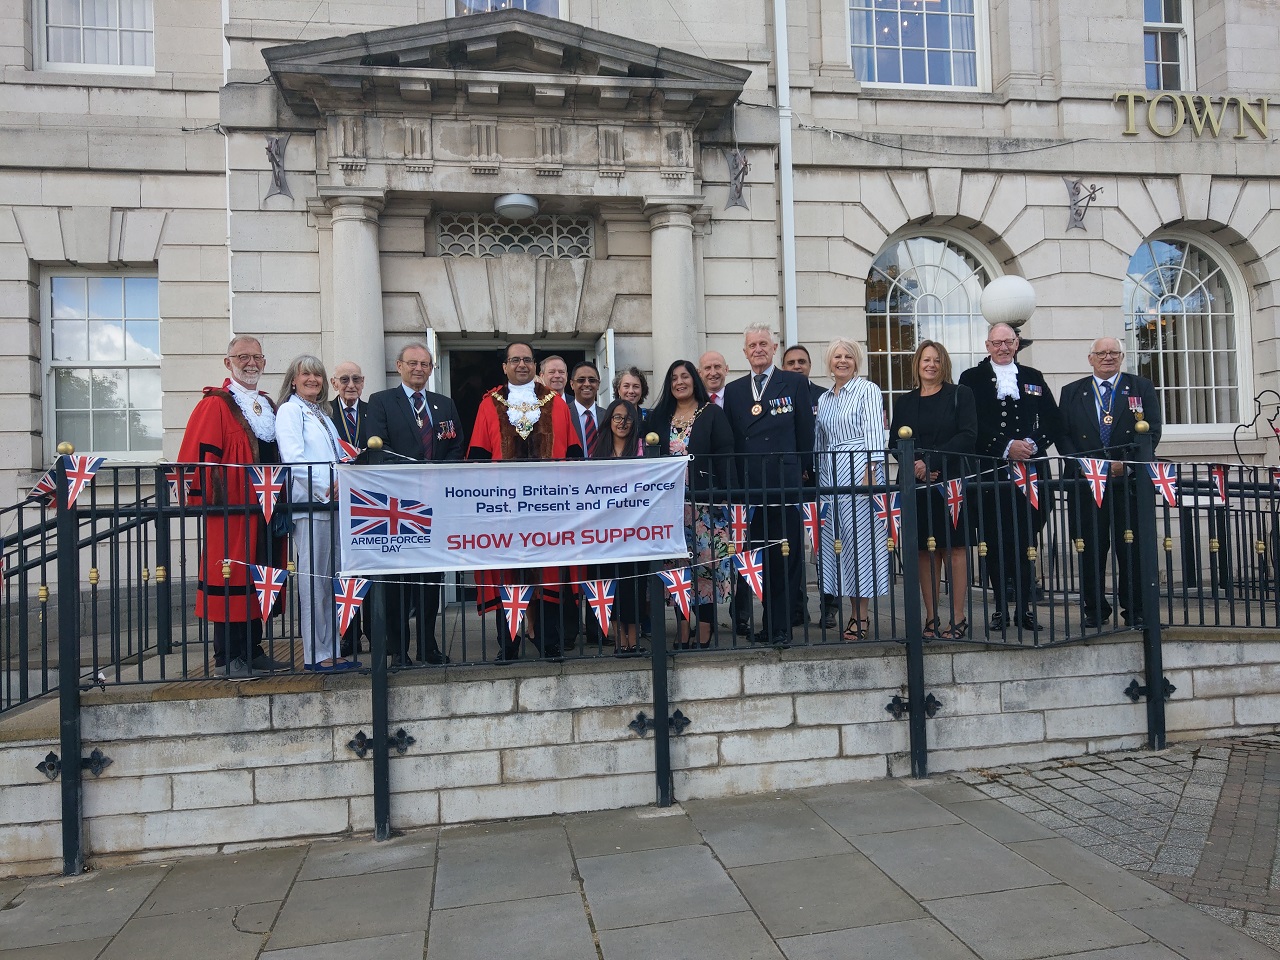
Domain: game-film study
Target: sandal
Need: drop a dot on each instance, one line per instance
(957, 631)
(856, 630)
(930, 631)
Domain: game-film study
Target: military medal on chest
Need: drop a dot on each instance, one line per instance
(757, 410)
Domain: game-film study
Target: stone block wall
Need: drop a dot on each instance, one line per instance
(233, 766)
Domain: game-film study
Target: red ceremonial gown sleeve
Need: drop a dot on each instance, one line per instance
(486, 441)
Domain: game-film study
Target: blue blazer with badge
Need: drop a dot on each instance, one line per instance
(1080, 436)
(775, 446)
(391, 418)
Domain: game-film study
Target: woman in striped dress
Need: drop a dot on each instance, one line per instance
(850, 443)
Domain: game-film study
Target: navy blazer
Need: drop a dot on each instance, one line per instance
(391, 418)
(361, 438)
(577, 424)
(1080, 436)
(775, 447)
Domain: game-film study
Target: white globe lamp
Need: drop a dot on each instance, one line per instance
(1008, 299)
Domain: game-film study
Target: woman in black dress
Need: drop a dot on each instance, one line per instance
(619, 439)
(944, 426)
(687, 422)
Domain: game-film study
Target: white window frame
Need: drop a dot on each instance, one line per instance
(959, 238)
(48, 366)
(561, 13)
(41, 51)
(1244, 345)
(982, 55)
(1186, 46)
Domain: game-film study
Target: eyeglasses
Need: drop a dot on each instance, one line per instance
(243, 358)
(621, 420)
(417, 364)
(1001, 343)
(350, 379)
(517, 361)
(1108, 354)
(582, 380)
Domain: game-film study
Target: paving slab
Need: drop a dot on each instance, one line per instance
(10, 889)
(949, 861)
(195, 935)
(910, 938)
(999, 822)
(763, 830)
(652, 886)
(626, 831)
(258, 917)
(731, 936)
(226, 881)
(353, 908)
(1196, 935)
(60, 910)
(541, 928)
(798, 897)
(347, 858)
(1137, 951)
(895, 807)
(1032, 922)
(399, 946)
(1113, 887)
(505, 861)
(76, 950)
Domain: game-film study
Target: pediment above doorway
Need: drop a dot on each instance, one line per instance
(510, 60)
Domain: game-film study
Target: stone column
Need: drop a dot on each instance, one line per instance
(358, 333)
(673, 282)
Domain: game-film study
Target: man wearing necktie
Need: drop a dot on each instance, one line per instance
(1099, 416)
(350, 415)
(415, 424)
(584, 381)
(714, 370)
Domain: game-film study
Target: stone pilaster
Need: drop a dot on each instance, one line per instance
(358, 332)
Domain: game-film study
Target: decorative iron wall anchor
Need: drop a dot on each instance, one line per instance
(95, 763)
(275, 156)
(900, 707)
(362, 744)
(1080, 200)
(738, 167)
(1136, 691)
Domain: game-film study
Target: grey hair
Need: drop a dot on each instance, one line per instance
(304, 363)
(760, 328)
(415, 345)
(242, 338)
(843, 343)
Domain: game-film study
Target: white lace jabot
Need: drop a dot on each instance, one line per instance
(523, 409)
(262, 424)
(1006, 381)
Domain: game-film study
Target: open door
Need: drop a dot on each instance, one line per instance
(433, 344)
(605, 364)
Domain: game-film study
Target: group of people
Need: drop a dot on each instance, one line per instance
(756, 442)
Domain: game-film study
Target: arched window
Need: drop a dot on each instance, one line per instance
(1183, 330)
(923, 288)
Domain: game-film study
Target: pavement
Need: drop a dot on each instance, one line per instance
(946, 869)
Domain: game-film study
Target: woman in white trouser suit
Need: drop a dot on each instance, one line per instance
(309, 441)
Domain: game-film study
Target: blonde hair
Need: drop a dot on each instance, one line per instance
(842, 343)
(304, 363)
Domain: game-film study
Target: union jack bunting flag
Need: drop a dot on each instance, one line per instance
(1218, 472)
(515, 603)
(267, 583)
(751, 566)
(80, 471)
(679, 584)
(178, 492)
(1165, 477)
(45, 489)
(814, 518)
(740, 524)
(1027, 480)
(382, 515)
(266, 483)
(1096, 472)
(349, 451)
(1275, 476)
(889, 512)
(348, 595)
(953, 493)
(600, 594)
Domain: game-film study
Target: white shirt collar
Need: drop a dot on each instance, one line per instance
(1113, 380)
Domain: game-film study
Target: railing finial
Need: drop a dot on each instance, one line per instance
(66, 449)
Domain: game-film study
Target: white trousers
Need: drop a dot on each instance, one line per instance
(313, 539)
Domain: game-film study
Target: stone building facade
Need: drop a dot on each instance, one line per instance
(323, 175)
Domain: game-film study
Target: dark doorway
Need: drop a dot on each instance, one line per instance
(473, 373)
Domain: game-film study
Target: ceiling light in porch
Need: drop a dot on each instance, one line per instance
(516, 206)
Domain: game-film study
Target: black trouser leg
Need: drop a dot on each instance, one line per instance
(429, 594)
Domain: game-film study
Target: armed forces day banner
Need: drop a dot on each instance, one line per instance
(424, 518)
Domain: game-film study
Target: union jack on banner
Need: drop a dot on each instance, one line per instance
(266, 483)
(267, 582)
(600, 594)
(382, 515)
(740, 524)
(679, 584)
(953, 493)
(889, 512)
(1096, 472)
(1165, 477)
(80, 471)
(1028, 481)
(1218, 472)
(178, 491)
(515, 602)
(751, 566)
(814, 519)
(1275, 476)
(348, 595)
(46, 488)
(349, 451)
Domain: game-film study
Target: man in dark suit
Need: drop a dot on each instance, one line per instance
(1017, 423)
(350, 415)
(415, 424)
(772, 418)
(1099, 414)
(588, 416)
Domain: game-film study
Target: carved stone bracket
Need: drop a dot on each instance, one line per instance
(347, 142)
(417, 145)
(612, 155)
(550, 140)
(484, 147)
